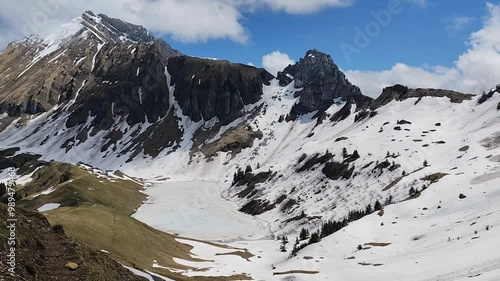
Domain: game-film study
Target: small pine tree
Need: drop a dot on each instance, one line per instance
(412, 191)
(284, 241)
(344, 152)
(283, 248)
(388, 201)
(295, 248)
(315, 238)
(378, 206)
(355, 154)
(304, 234)
(360, 247)
(426, 163)
(248, 169)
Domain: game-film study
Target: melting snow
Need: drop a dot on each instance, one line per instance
(49, 207)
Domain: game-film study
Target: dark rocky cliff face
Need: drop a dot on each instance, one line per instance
(321, 81)
(207, 88)
(125, 84)
(36, 75)
(111, 76)
(116, 31)
(400, 93)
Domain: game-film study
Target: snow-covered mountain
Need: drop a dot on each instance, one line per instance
(303, 151)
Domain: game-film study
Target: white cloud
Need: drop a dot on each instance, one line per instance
(421, 3)
(457, 23)
(476, 70)
(303, 6)
(276, 61)
(185, 20)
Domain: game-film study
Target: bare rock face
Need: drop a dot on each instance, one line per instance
(102, 80)
(400, 92)
(321, 81)
(207, 88)
(37, 74)
(128, 83)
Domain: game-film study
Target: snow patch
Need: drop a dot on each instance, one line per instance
(49, 207)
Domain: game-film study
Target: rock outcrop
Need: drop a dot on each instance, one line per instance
(400, 92)
(321, 82)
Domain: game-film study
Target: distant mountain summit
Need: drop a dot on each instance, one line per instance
(320, 80)
(95, 75)
(39, 73)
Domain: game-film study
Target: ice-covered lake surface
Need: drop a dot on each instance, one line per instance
(197, 210)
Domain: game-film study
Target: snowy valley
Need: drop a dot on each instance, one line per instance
(229, 173)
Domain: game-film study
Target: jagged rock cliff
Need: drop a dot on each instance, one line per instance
(102, 80)
(207, 88)
(321, 82)
(39, 73)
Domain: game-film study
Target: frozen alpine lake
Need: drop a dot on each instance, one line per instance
(197, 210)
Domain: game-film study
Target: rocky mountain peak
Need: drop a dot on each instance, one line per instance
(112, 30)
(321, 81)
(78, 56)
(116, 29)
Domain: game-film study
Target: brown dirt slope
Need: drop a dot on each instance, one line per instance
(43, 252)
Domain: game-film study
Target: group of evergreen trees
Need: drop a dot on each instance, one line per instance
(330, 227)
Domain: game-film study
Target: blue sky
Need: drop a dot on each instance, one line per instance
(451, 44)
(419, 35)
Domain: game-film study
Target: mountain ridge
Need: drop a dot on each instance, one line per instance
(304, 150)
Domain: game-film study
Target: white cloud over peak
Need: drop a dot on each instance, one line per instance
(276, 61)
(476, 70)
(185, 20)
